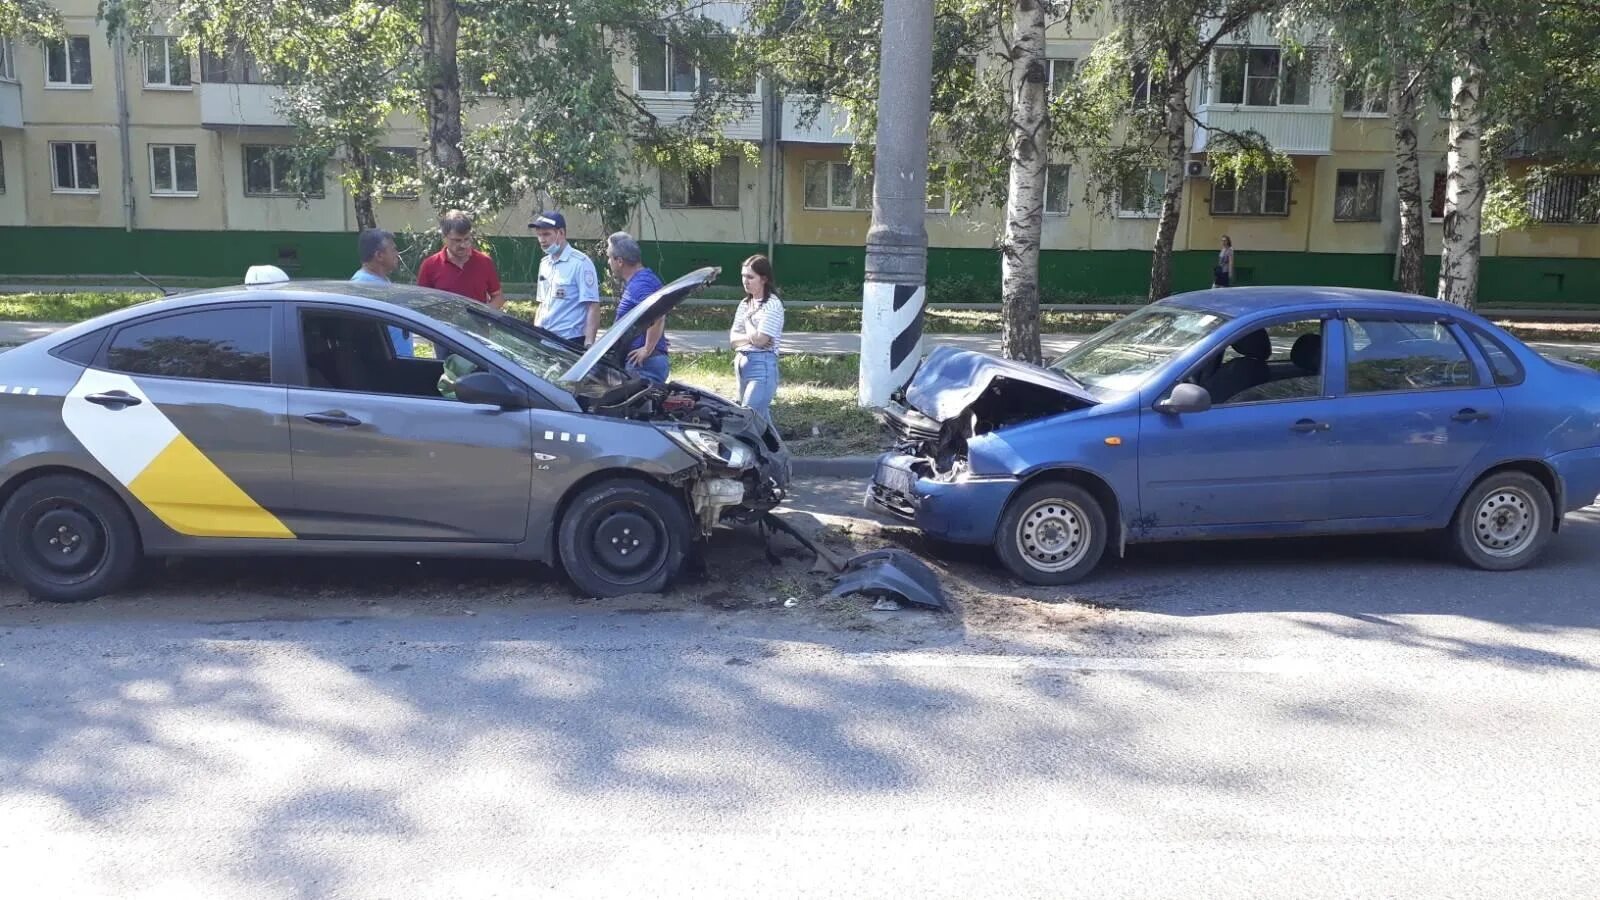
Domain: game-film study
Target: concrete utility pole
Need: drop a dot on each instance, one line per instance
(897, 245)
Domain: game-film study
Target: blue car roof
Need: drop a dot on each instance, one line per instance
(1234, 302)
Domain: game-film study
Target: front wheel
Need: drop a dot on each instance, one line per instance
(622, 536)
(1504, 522)
(65, 538)
(1052, 534)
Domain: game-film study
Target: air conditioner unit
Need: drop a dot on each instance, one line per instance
(1199, 169)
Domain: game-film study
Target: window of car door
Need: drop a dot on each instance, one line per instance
(218, 343)
(1278, 362)
(1385, 355)
(367, 354)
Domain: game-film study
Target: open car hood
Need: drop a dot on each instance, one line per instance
(638, 320)
(950, 380)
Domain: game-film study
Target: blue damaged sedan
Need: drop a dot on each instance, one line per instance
(1248, 413)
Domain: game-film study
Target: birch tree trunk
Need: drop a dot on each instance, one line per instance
(1019, 250)
(1464, 187)
(1172, 197)
(361, 197)
(439, 37)
(1403, 96)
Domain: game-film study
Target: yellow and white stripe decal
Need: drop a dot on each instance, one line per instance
(161, 467)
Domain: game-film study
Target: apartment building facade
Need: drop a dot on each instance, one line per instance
(129, 155)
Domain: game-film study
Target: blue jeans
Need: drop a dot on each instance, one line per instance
(758, 379)
(654, 369)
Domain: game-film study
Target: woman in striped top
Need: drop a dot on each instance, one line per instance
(757, 329)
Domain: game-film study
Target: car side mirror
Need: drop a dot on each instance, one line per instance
(489, 389)
(1185, 398)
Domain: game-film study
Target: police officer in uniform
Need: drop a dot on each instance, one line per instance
(569, 290)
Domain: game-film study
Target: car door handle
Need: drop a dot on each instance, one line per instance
(1309, 425)
(332, 417)
(114, 399)
(1470, 415)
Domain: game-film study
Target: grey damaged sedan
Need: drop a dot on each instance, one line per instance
(338, 418)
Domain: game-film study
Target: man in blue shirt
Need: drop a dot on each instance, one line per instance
(379, 259)
(647, 355)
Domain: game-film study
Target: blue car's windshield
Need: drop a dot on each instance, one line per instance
(1121, 356)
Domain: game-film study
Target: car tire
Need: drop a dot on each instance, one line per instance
(1503, 522)
(1052, 534)
(66, 538)
(623, 536)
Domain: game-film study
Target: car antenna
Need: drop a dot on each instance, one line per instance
(164, 291)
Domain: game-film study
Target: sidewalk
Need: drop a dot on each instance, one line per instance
(830, 343)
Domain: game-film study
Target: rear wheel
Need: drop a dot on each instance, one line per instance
(1504, 522)
(66, 538)
(623, 536)
(1052, 533)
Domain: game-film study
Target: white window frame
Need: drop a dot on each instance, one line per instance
(55, 174)
(278, 151)
(1263, 213)
(1214, 88)
(8, 60)
(834, 165)
(946, 173)
(169, 47)
(1066, 196)
(1153, 209)
(1369, 94)
(1377, 211)
(1056, 81)
(171, 151)
(702, 79)
(680, 172)
(69, 84)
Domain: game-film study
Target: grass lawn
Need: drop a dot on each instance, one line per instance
(815, 409)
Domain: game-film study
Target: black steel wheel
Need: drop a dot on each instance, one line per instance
(66, 538)
(624, 536)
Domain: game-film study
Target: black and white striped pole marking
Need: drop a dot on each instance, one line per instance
(891, 338)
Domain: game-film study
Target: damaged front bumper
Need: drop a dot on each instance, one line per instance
(961, 510)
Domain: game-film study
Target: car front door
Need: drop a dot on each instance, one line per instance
(1416, 410)
(380, 454)
(182, 410)
(1260, 455)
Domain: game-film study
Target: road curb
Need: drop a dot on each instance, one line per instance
(834, 466)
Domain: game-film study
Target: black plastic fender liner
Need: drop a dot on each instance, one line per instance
(893, 573)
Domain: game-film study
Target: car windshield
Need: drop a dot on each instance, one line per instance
(538, 352)
(1121, 356)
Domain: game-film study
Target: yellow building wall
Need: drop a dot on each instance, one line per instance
(14, 202)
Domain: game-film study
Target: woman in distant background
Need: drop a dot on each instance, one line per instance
(757, 328)
(1222, 275)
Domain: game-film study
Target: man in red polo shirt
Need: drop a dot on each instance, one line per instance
(460, 268)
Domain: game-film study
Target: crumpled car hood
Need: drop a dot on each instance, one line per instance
(951, 379)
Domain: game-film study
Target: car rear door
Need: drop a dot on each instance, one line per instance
(181, 408)
(380, 454)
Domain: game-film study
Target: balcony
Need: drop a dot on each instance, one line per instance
(674, 106)
(10, 104)
(1299, 131)
(828, 128)
(241, 106)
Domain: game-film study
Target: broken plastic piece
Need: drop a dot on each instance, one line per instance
(891, 573)
(827, 560)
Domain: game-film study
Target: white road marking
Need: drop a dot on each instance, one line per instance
(1271, 665)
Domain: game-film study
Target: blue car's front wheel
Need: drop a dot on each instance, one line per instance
(1052, 533)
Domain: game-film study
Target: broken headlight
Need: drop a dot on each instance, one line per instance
(711, 446)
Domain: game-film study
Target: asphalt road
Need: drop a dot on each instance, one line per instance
(1306, 719)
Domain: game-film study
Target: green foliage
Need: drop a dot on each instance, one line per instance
(33, 19)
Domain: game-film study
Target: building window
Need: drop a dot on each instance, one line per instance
(1260, 76)
(75, 167)
(232, 65)
(166, 65)
(663, 68)
(273, 172)
(1259, 195)
(8, 60)
(398, 170)
(1139, 195)
(1058, 76)
(1356, 195)
(834, 185)
(1055, 190)
(1441, 183)
(1141, 84)
(172, 170)
(1566, 200)
(701, 188)
(66, 63)
(1370, 98)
